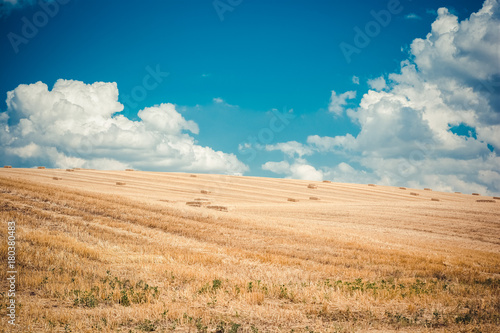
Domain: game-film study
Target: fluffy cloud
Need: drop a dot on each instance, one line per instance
(291, 148)
(377, 84)
(297, 170)
(337, 102)
(79, 125)
(451, 78)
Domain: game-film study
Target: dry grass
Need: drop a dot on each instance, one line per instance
(96, 258)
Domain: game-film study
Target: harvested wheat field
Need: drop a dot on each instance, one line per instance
(92, 256)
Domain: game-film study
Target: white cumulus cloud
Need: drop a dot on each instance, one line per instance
(79, 125)
(451, 78)
(337, 102)
(297, 170)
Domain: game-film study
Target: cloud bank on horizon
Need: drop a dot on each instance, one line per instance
(450, 80)
(77, 125)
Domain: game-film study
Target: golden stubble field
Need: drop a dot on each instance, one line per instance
(102, 251)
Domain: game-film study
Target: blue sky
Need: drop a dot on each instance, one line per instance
(229, 64)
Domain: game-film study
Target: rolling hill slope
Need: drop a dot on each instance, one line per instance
(96, 256)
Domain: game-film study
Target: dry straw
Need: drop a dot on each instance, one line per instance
(313, 198)
(434, 199)
(458, 192)
(476, 194)
(371, 184)
(205, 192)
(198, 203)
(312, 186)
(7, 166)
(121, 183)
(326, 181)
(498, 198)
(402, 188)
(293, 200)
(485, 200)
(70, 170)
(41, 167)
(129, 169)
(413, 193)
(219, 208)
(428, 189)
(192, 176)
(56, 178)
(200, 199)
